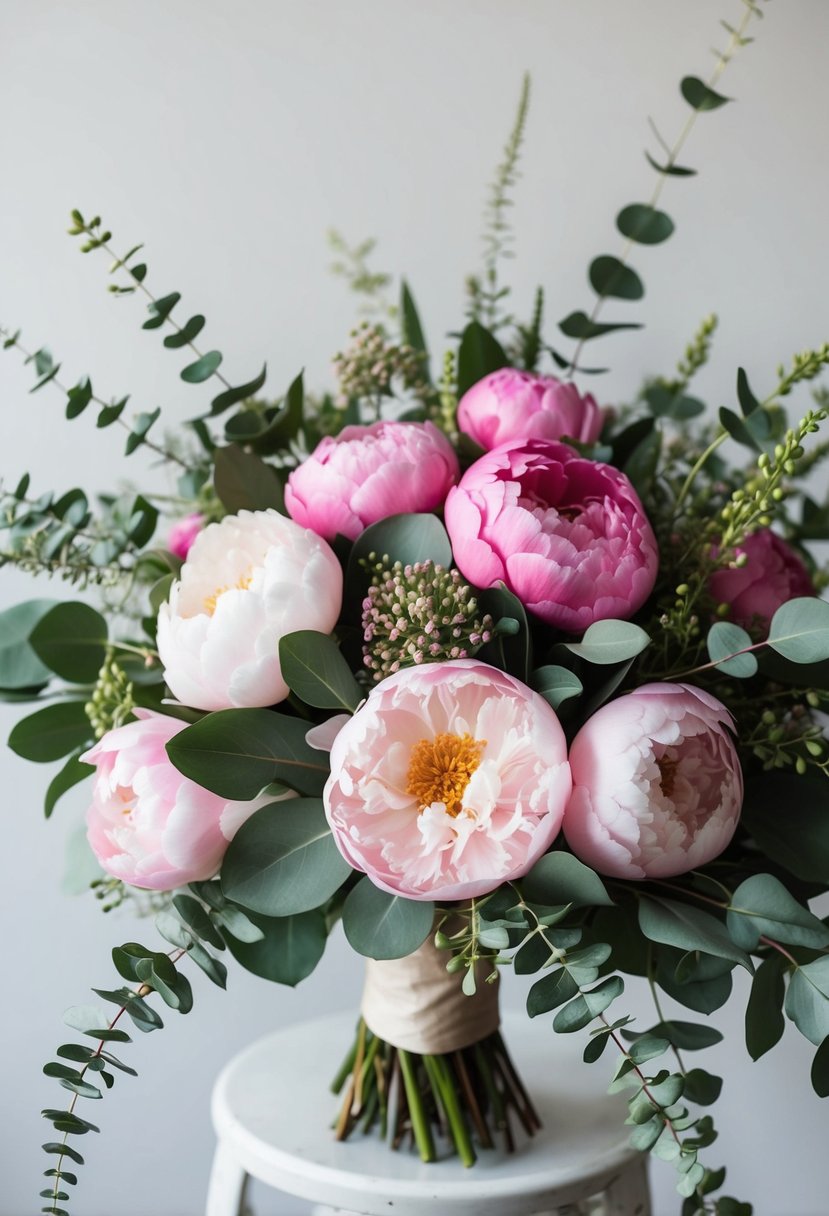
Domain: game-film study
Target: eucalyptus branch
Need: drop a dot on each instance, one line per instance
(10, 340)
(101, 240)
(737, 39)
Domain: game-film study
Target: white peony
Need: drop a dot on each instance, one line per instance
(247, 582)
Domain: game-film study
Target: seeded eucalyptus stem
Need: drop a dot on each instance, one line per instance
(735, 42)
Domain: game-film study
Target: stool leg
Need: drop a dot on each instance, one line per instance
(629, 1193)
(228, 1184)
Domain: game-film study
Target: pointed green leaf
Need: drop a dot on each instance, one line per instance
(579, 325)
(315, 670)
(699, 95)
(479, 354)
(52, 733)
(202, 369)
(232, 396)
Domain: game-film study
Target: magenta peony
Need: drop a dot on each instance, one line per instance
(148, 825)
(511, 404)
(449, 780)
(247, 581)
(367, 473)
(567, 535)
(183, 532)
(657, 785)
(773, 573)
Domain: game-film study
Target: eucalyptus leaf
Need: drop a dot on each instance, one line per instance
(761, 906)
(807, 1000)
(20, 667)
(237, 752)
(610, 641)
(560, 878)
(71, 640)
(380, 925)
(202, 369)
(800, 630)
(700, 95)
(289, 949)
(725, 641)
(550, 992)
(243, 481)
(611, 277)
(283, 860)
(688, 928)
(580, 325)
(764, 1020)
(52, 733)
(556, 684)
(315, 670)
(644, 224)
(820, 1070)
(588, 1005)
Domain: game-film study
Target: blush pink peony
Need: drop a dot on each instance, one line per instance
(567, 535)
(148, 825)
(183, 532)
(773, 573)
(367, 473)
(449, 780)
(247, 582)
(657, 785)
(511, 404)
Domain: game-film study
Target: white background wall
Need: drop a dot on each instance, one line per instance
(229, 137)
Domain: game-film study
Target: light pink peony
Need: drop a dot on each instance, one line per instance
(183, 532)
(511, 404)
(567, 535)
(449, 780)
(773, 574)
(657, 785)
(367, 473)
(247, 582)
(148, 825)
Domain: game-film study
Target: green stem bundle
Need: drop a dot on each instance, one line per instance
(464, 1097)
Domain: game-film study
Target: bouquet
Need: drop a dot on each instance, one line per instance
(492, 673)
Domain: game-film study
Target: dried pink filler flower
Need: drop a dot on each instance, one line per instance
(657, 785)
(510, 404)
(567, 535)
(449, 780)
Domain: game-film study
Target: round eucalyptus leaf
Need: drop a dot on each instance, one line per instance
(800, 630)
(725, 642)
(381, 925)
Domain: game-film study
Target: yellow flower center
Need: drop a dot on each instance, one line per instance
(440, 768)
(241, 584)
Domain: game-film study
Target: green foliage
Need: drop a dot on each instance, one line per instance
(728, 647)
(610, 641)
(71, 640)
(479, 353)
(20, 668)
(238, 752)
(289, 949)
(611, 277)
(560, 878)
(52, 733)
(688, 928)
(244, 482)
(762, 907)
(556, 684)
(315, 670)
(800, 630)
(764, 1021)
(807, 999)
(699, 96)
(380, 925)
(283, 860)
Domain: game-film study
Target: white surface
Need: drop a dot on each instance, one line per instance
(229, 137)
(581, 1147)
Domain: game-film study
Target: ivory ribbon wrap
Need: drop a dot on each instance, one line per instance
(414, 1003)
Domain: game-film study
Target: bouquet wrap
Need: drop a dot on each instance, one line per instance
(415, 1004)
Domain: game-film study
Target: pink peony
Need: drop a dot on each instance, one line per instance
(247, 581)
(567, 535)
(772, 574)
(449, 780)
(367, 473)
(148, 825)
(657, 786)
(183, 532)
(511, 404)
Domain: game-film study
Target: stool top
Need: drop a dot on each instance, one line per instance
(272, 1108)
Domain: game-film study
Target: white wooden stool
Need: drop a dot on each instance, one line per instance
(272, 1109)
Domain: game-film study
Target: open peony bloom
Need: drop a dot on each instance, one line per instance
(148, 825)
(567, 535)
(773, 574)
(183, 532)
(657, 785)
(247, 582)
(367, 473)
(449, 780)
(511, 404)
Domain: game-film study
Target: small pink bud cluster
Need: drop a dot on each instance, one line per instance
(419, 614)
